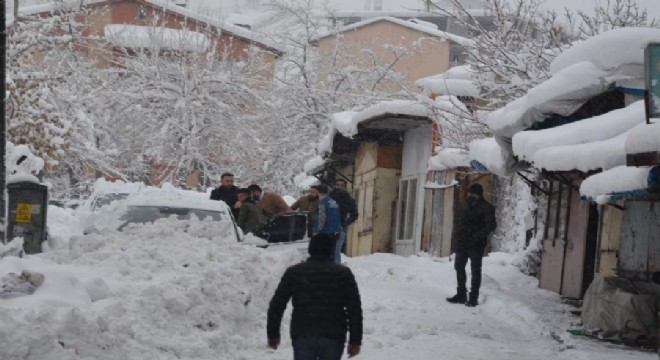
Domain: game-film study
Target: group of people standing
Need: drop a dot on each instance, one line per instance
(330, 211)
(325, 294)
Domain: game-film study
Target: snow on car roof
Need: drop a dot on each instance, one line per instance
(176, 198)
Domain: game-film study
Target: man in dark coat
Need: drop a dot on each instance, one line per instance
(476, 223)
(249, 216)
(326, 305)
(347, 211)
(227, 192)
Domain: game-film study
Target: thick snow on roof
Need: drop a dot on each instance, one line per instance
(134, 36)
(489, 153)
(590, 144)
(449, 158)
(603, 154)
(234, 29)
(644, 139)
(242, 32)
(562, 94)
(394, 107)
(346, 122)
(617, 180)
(610, 50)
(406, 23)
(457, 81)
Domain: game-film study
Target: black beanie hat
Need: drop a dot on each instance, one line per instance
(476, 189)
(321, 245)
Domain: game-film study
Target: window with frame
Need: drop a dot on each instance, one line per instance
(559, 195)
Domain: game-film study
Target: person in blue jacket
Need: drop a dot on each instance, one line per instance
(328, 218)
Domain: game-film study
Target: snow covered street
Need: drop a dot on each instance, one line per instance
(181, 290)
(407, 317)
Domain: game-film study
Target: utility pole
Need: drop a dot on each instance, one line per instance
(3, 120)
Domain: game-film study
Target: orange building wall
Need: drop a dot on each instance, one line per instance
(430, 59)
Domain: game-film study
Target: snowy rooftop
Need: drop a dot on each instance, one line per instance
(562, 94)
(611, 50)
(489, 154)
(239, 31)
(457, 81)
(346, 122)
(644, 139)
(449, 158)
(619, 180)
(581, 72)
(418, 26)
(133, 36)
(585, 145)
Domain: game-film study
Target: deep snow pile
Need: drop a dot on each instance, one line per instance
(183, 290)
(169, 290)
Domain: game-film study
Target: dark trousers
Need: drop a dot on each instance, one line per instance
(317, 348)
(476, 257)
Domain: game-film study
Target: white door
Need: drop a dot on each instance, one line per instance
(406, 216)
(410, 202)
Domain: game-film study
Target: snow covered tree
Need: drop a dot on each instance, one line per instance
(177, 109)
(311, 86)
(607, 15)
(50, 78)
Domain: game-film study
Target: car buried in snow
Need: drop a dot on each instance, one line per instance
(288, 230)
(117, 211)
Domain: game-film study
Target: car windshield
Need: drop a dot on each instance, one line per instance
(106, 199)
(148, 214)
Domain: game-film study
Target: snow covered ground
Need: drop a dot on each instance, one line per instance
(183, 290)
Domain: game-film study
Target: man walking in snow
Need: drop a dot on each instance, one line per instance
(326, 305)
(476, 223)
(227, 192)
(328, 217)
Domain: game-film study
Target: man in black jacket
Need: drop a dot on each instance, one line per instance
(326, 304)
(476, 223)
(348, 212)
(228, 193)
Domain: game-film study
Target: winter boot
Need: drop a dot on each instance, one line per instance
(459, 298)
(473, 300)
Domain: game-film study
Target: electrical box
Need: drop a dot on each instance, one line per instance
(26, 218)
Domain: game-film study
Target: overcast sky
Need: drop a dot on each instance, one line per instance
(235, 6)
